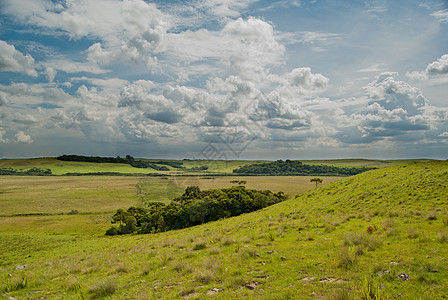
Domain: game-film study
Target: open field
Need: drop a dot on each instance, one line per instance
(53, 195)
(214, 166)
(381, 234)
(59, 167)
(291, 185)
(376, 163)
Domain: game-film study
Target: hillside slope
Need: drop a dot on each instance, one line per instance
(383, 233)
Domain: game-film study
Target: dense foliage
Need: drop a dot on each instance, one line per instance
(194, 207)
(118, 160)
(32, 171)
(294, 167)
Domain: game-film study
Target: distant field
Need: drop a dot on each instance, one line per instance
(291, 185)
(214, 166)
(365, 162)
(59, 167)
(52, 195)
(21, 195)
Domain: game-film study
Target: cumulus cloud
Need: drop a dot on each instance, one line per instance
(14, 61)
(246, 46)
(395, 110)
(22, 137)
(439, 67)
(256, 46)
(436, 68)
(302, 79)
(2, 138)
(50, 73)
(131, 30)
(3, 99)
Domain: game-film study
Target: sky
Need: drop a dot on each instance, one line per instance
(229, 79)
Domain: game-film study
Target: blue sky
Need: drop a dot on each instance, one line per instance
(231, 79)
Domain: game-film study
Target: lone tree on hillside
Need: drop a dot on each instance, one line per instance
(316, 180)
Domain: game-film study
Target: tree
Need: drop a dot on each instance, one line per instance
(240, 183)
(316, 180)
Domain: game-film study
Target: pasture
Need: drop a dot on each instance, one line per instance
(382, 234)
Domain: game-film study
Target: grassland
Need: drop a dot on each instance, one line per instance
(291, 185)
(214, 166)
(59, 167)
(381, 234)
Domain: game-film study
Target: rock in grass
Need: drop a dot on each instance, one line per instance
(252, 285)
(403, 276)
(20, 267)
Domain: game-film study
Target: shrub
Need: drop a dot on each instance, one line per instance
(15, 283)
(371, 290)
(413, 233)
(445, 221)
(204, 276)
(227, 241)
(443, 237)
(346, 260)
(200, 246)
(103, 289)
(368, 241)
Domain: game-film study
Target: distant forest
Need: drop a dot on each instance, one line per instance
(127, 160)
(295, 167)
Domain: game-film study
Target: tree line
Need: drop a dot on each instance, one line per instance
(127, 160)
(33, 172)
(295, 167)
(194, 207)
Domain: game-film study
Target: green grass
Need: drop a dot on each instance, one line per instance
(346, 240)
(53, 195)
(214, 166)
(59, 167)
(291, 185)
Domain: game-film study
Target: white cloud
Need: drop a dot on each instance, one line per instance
(436, 68)
(246, 46)
(2, 138)
(131, 30)
(22, 137)
(108, 84)
(439, 67)
(303, 79)
(31, 94)
(14, 61)
(3, 99)
(50, 73)
(417, 75)
(71, 67)
(254, 46)
(376, 68)
(395, 111)
(97, 54)
(318, 41)
(223, 8)
(441, 15)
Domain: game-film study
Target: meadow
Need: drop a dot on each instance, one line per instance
(59, 167)
(382, 234)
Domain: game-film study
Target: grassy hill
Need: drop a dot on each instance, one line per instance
(380, 234)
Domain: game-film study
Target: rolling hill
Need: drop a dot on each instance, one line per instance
(380, 234)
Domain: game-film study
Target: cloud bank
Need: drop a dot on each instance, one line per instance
(170, 78)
